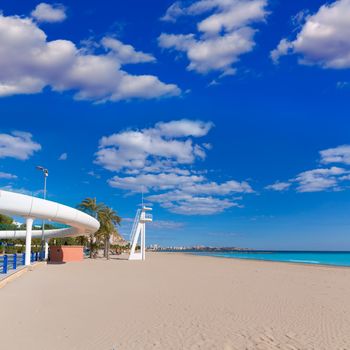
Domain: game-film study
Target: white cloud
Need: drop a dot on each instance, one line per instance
(155, 182)
(160, 160)
(93, 174)
(279, 186)
(202, 206)
(201, 198)
(214, 188)
(323, 40)
(222, 36)
(340, 154)
(173, 12)
(18, 144)
(49, 13)
(317, 180)
(126, 54)
(29, 62)
(7, 176)
(10, 188)
(189, 184)
(283, 48)
(198, 205)
(184, 128)
(321, 179)
(63, 156)
(165, 142)
(164, 166)
(166, 224)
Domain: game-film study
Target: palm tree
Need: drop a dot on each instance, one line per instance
(81, 240)
(109, 219)
(91, 207)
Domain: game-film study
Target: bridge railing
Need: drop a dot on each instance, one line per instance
(13, 261)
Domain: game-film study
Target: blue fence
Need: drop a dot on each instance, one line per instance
(13, 261)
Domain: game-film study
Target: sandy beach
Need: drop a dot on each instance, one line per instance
(177, 301)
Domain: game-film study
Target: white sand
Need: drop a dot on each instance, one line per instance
(176, 301)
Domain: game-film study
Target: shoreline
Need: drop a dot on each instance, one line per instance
(261, 260)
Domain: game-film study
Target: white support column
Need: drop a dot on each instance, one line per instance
(29, 226)
(136, 238)
(143, 242)
(46, 249)
(139, 232)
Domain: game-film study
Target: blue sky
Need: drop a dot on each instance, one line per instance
(233, 116)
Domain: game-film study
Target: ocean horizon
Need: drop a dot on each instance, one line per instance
(331, 258)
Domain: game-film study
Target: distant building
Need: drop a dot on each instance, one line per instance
(17, 224)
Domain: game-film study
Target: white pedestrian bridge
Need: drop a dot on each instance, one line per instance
(32, 208)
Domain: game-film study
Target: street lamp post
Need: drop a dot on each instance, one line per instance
(46, 174)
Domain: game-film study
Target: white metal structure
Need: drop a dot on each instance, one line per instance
(36, 208)
(46, 174)
(138, 231)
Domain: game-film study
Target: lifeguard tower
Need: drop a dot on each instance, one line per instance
(138, 232)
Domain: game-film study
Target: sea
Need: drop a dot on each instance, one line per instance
(297, 257)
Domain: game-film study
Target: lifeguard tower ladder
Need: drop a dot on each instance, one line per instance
(138, 231)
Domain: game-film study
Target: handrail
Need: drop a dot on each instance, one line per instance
(13, 261)
(134, 226)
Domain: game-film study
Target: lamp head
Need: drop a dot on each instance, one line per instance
(44, 170)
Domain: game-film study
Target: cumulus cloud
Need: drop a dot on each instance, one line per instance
(279, 186)
(94, 174)
(190, 184)
(184, 128)
(321, 179)
(160, 161)
(324, 38)
(201, 198)
(29, 62)
(317, 180)
(7, 176)
(63, 156)
(222, 189)
(153, 182)
(10, 188)
(173, 12)
(49, 13)
(18, 144)
(222, 36)
(126, 54)
(204, 205)
(156, 147)
(340, 154)
(166, 224)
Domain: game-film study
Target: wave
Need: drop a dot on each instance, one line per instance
(306, 261)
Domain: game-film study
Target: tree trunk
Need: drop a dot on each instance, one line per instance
(108, 243)
(91, 245)
(105, 248)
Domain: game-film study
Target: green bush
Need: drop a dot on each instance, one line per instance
(20, 249)
(6, 220)
(68, 241)
(8, 227)
(35, 249)
(11, 249)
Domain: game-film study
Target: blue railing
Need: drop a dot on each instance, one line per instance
(13, 261)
